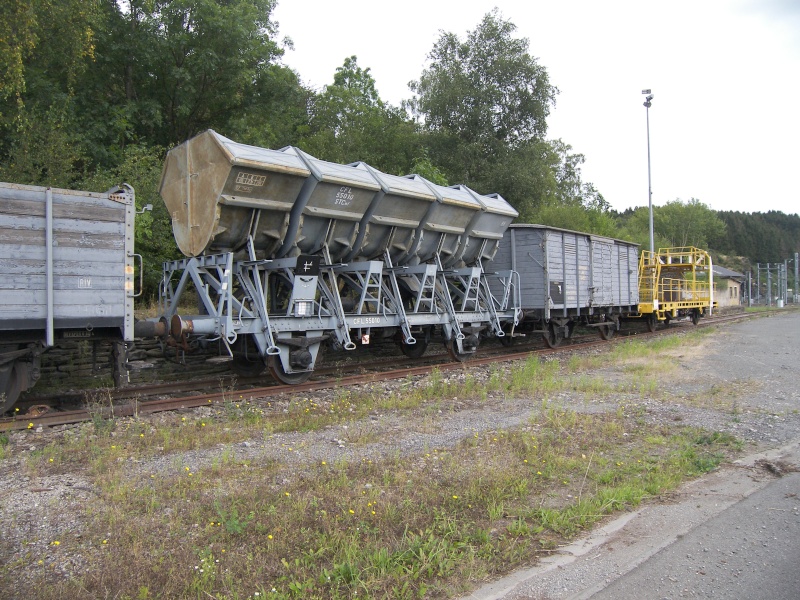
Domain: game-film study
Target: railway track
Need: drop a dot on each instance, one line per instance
(142, 400)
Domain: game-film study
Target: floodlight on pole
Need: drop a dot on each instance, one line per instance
(647, 103)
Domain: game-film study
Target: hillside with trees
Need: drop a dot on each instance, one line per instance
(94, 92)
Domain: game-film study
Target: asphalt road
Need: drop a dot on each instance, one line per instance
(751, 550)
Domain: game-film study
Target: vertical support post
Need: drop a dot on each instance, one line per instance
(796, 291)
(50, 333)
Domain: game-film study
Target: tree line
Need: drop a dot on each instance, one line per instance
(94, 92)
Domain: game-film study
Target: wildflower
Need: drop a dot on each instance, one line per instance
(538, 472)
(324, 463)
(51, 460)
(105, 542)
(269, 537)
(141, 435)
(202, 424)
(525, 461)
(30, 425)
(55, 543)
(287, 494)
(352, 512)
(455, 497)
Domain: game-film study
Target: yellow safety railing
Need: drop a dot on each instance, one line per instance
(673, 279)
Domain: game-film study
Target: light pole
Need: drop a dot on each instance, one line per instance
(647, 103)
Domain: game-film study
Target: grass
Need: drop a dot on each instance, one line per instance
(425, 524)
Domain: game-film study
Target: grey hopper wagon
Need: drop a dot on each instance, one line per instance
(569, 278)
(66, 271)
(288, 252)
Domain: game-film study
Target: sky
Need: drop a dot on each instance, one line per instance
(725, 75)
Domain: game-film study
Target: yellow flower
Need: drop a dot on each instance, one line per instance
(269, 537)
(352, 512)
(105, 541)
(30, 425)
(455, 497)
(51, 460)
(55, 543)
(538, 472)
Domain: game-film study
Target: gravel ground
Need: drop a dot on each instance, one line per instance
(750, 368)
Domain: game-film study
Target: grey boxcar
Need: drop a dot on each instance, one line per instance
(66, 271)
(568, 277)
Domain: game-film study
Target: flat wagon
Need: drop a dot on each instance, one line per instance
(569, 278)
(66, 272)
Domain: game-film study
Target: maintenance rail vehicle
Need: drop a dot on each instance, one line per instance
(675, 283)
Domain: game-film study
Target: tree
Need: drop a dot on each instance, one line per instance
(168, 69)
(141, 167)
(688, 224)
(486, 89)
(483, 103)
(45, 48)
(349, 122)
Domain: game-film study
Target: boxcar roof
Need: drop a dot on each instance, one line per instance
(592, 235)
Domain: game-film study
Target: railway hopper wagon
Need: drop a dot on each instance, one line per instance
(287, 252)
(66, 273)
(675, 283)
(569, 278)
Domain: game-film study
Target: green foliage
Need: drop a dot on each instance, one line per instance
(762, 237)
(348, 122)
(676, 224)
(92, 92)
(508, 93)
(141, 166)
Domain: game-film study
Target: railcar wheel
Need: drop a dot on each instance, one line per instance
(248, 366)
(276, 369)
(651, 322)
(553, 336)
(452, 350)
(418, 349)
(14, 383)
(247, 362)
(695, 316)
(607, 332)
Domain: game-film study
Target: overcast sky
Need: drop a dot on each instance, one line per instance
(725, 120)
